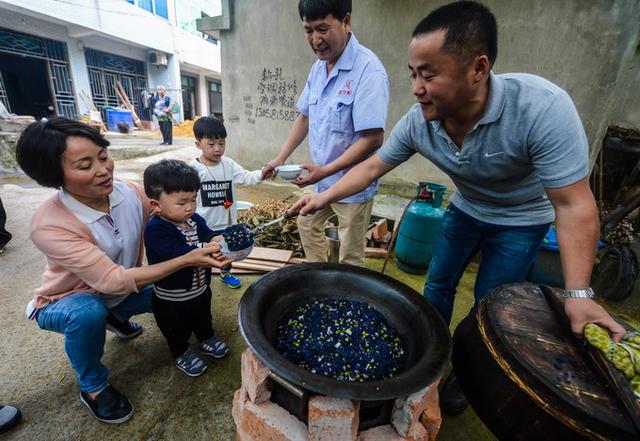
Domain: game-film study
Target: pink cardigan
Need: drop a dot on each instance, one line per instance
(74, 261)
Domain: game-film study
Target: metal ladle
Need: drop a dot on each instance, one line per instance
(285, 216)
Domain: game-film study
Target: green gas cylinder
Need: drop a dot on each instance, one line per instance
(419, 228)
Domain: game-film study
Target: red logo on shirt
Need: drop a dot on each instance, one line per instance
(347, 88)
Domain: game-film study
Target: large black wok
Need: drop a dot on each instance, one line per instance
(269, 299)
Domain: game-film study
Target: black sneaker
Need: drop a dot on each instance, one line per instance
(9, 417)
(452, 399)
(123, 329)
(109, 406)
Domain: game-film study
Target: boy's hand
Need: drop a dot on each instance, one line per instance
(269, 170)
(213, 244)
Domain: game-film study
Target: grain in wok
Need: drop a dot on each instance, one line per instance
(238, 237)
(342, 339)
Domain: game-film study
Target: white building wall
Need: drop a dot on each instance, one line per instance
(196, 51)
(130, 32)
(117, 19)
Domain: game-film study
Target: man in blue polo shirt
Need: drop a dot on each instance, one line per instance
(516, 150)
(343, 109)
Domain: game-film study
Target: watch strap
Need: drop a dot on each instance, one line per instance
(578, 293)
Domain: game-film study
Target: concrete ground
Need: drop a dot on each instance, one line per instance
(35, 373)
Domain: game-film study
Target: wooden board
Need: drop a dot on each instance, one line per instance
(239, 271)
(271, 254)
(375, 253)
(253, 266)
(270, 263)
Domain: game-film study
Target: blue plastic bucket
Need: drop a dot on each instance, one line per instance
(115, 116)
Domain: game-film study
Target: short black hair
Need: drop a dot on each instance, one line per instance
(209, 127)
(42, 143)
(317, 9)
(169, 176)
(470, 29)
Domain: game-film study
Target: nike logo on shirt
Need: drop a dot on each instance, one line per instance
(488, 155)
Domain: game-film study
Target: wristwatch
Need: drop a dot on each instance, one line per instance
(578, 293)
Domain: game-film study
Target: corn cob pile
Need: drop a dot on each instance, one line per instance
(283, 235)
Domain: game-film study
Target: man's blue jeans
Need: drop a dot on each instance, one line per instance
(81, 317)
(507, 254)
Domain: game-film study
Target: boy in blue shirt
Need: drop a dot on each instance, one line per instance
(181, 302)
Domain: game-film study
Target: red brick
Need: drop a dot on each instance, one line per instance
(239, 397)
(242, 436)
(431, 418)
(380, 229)
(380, 433)
(417, 432)
(332, 419)
(407, 411)
(255, 377)
(270, 422)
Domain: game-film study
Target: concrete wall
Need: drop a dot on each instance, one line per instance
(587, 47)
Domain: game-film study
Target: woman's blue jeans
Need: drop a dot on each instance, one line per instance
(507, 254)
(81, 317)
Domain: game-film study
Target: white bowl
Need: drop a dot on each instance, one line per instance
(243, 205)
(234, 255)
(289, 172)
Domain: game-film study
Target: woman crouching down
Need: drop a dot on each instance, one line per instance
(91, 234)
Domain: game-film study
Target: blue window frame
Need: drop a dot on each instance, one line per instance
(161, 8)
(147, 5)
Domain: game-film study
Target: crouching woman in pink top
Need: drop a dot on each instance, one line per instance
(91, 232)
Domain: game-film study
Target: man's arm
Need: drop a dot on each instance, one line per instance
(297, 134)
(578, 230)
(356, 180)
(370, 141)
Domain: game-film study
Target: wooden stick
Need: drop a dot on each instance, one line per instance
(123, 95)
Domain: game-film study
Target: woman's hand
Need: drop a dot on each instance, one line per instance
(208, 256)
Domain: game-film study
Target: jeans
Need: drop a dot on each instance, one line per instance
(81, 317)
(507, 254)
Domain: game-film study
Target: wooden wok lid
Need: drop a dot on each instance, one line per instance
(540, 356)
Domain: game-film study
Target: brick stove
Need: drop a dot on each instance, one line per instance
(281, 401)
(259, 418)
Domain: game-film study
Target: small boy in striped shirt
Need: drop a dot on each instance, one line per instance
(181, 302)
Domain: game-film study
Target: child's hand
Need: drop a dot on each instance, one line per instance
(213, 244)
